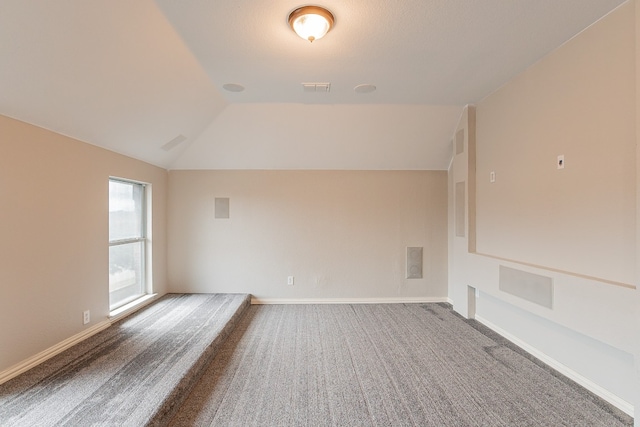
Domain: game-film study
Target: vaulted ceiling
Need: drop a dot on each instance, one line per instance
(144, 78)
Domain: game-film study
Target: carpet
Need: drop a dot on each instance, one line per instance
(381, 365)
(134, 373)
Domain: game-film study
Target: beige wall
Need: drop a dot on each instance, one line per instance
(577, 225)
(324, 137)
(637, 257)
(54, 235)
(342, 234)
(577, 102)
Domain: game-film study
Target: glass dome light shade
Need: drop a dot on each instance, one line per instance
(311, 22)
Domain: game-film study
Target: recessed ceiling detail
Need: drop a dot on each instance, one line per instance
(364, 88)
(233, 87)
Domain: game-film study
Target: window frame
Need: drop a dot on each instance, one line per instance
(144, 239)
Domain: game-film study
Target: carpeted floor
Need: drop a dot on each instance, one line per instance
(381, 365)
(134, 373)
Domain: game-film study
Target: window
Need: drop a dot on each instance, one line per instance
(127, 242)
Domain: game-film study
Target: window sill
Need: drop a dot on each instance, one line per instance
(133, 306)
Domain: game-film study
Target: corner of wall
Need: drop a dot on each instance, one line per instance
(462, 207)
(637, 324)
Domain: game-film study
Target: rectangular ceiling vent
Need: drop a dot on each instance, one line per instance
(174, 142)
(316, 87)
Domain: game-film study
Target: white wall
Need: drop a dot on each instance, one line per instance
(342, 234)
(577, 225)
(461, 173)
(54, 221)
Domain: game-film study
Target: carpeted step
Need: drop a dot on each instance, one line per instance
(135, 373)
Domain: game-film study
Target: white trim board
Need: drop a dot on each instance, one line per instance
(132, 307)
(33, 361)
(601, 392)
(395, 300)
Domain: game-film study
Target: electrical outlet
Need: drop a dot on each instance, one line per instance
(86, 317)
(492, 176)
(290, 280)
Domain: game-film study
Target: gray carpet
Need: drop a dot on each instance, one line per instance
(134, 373)
(381, 365)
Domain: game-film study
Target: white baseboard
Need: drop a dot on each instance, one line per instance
(603, 393)
(115, 315)
(29, 363)
(394, 300)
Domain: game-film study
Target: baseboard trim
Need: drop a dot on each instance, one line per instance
(43, 356)
(33, 361)
(601, 392)
(399, 300)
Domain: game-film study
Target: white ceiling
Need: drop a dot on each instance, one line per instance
(131, 76)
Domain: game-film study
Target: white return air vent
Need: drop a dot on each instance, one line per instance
(316, 87)
(531, 287)
(174, 142)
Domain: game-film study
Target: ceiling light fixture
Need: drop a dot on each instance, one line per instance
(311, 22)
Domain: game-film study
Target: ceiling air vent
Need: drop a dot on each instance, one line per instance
(316, 87)
(174, 142)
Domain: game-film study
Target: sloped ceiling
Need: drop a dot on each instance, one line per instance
(131, 76)
(112, 73)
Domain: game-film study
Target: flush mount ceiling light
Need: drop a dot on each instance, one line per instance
(311, 22)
